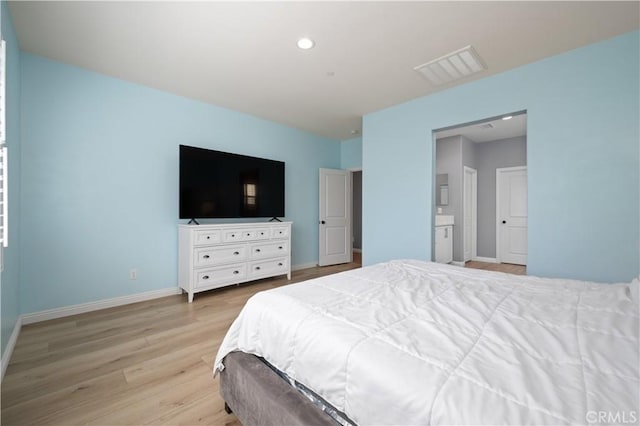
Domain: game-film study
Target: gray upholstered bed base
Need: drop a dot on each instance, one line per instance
(259, 396)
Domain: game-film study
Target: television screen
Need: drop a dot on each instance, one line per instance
(216, 184)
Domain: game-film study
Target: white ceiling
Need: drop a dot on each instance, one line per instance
(489, 130)
(243, 55)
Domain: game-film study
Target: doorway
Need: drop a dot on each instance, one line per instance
(469, 155)
(340, 216)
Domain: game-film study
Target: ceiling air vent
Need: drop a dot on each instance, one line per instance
(453, 66)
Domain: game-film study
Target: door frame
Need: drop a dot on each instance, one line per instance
(499, 177)
(474, 212)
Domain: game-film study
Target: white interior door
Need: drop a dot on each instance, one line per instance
(470, 213)
(335, 217)
(511, 215)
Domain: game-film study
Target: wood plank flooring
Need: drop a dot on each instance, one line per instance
(500, 267)
(144, 363)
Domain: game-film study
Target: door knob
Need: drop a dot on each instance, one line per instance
(504, 221)
(322, 222)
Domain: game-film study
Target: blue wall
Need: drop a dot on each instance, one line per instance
(351, 153)
(9, 280)
(582, 153)
(100, 181)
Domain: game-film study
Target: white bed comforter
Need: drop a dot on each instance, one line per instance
(411, 342)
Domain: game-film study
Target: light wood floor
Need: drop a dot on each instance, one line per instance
(144, 363)
(500, 267)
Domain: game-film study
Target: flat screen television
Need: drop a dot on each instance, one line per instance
(215, 184)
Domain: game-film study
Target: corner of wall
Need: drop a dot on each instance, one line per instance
(8, 350)
(351, 153)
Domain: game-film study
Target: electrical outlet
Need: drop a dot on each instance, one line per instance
(133, 274)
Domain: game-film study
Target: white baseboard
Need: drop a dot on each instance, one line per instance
(457, 263)
(116, 301)
(486, 259)
(11, 344)
(100, 304)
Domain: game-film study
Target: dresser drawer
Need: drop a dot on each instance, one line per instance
(259, 251)
(269, 267)
(262, 234)
(206, 256)
(206, 237)
(280, 232)
(221, 275)
(231, 235)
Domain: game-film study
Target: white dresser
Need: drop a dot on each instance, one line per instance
(212, 256)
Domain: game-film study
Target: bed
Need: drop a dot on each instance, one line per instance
(413, 342)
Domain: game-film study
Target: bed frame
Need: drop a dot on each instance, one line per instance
(257, 395)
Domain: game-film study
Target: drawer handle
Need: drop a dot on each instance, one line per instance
(280, 248)
(236, 272)
(235, 253)
(262, 233)
(257, 268)
(248, 234)
(206, 277)
(208, 237)
(206, 256)
(233, 235)
(257, 250)
(280, 264)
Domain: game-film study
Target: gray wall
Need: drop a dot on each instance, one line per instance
(357, 210)
(449, 161)
(490, 156)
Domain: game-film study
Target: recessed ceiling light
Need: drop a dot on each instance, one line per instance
(508, 117)
(305, 43)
